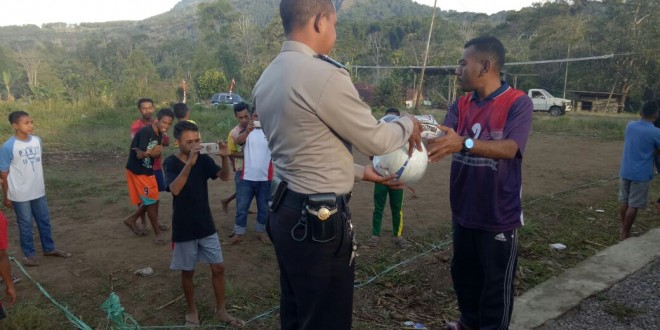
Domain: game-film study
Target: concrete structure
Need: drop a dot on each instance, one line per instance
(555, 297)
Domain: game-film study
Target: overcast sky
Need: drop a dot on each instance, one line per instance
(21, 12)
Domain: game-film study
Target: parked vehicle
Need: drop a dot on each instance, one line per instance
(544, 101)
(225, 98)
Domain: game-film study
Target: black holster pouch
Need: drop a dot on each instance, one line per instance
(277, 189)
(323, 216)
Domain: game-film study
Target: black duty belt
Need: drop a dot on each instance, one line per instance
(297, 200)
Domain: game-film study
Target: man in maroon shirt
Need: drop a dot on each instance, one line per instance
(486, 133)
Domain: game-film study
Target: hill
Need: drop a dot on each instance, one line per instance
(236, 39)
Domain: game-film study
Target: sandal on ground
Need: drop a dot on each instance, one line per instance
(191, 322)
(237, 238)
(401, 242)
(14, 279)
(263, 238)
(57, 253)
(30, 262)
(160, 241)
(456, 325)
(235, 323)
(164, 227)
(136, 229)
(373, 241)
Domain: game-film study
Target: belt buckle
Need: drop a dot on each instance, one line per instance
(323, 213)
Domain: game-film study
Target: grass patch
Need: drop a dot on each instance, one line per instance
(27, 315)
(607, 127)
(562, 218)
(621, 312)
(89, 128)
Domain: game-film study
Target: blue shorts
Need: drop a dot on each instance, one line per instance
(186, 254)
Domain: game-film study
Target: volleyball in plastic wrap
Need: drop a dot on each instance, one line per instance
(406, 169)
(429, 127)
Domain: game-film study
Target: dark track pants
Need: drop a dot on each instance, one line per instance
(483, 269)
(316, 281)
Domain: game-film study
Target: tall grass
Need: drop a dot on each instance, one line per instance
(86, 127)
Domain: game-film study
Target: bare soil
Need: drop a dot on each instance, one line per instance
(88, 202)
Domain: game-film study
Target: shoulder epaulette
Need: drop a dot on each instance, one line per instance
(331, 61)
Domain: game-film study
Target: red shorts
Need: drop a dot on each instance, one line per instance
(143, 189)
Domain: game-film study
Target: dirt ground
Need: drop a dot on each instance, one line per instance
(88, 203)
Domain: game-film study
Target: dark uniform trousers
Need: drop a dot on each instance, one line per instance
(483, 269)
(316, 280)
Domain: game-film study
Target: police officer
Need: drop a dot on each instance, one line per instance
(312, 116)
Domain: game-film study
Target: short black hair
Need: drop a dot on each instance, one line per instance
(296, 13)
(393, 111)
(492, 47)
(16, 115)
(650, 109)
(165, 112)
(180, 110)
(182, 126)
(240, 106)
(143, 100)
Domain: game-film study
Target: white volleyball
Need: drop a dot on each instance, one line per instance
(407, 169)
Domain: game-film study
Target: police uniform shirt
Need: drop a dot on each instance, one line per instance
(312, 116)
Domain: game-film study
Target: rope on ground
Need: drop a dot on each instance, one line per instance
(116, 313)
(589, 184)
(72, 318)
(373, 278)
(122, 320)
(406, 261)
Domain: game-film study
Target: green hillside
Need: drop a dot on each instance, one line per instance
(209, 42)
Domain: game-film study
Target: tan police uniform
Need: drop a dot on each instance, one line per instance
(312, 116)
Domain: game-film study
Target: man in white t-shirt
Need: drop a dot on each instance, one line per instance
(254, 183)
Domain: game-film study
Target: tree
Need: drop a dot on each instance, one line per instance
(210, 82)
(6, 80)
(32, 63)
(138, 79)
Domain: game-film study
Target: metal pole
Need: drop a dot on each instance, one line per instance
(426, 57)
(566, 74)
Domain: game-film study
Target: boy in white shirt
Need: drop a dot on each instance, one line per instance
(24, 188)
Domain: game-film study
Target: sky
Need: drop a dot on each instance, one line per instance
(21, 12)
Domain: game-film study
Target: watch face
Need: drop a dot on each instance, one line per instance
(469, 143)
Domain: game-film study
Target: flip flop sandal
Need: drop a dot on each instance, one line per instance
(160, 241)
(235, 323)
(57, 253)
(191, 323)
(136, 230)
(30, 262)
(14, 279)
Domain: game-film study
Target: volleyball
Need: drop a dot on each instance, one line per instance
(406, 169)
(429, 127)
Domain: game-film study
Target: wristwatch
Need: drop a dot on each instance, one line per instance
(468, 144)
